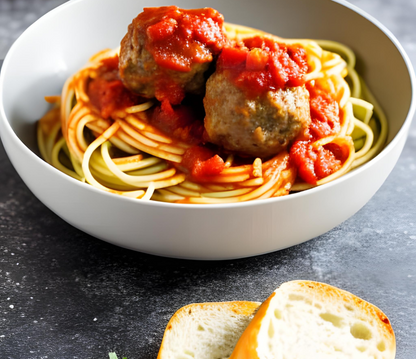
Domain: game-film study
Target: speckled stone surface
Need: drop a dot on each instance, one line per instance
(64, 294)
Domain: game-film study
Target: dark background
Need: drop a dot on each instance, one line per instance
(64, 294)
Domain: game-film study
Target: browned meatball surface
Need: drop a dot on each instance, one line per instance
(167, 51)
(260, 127)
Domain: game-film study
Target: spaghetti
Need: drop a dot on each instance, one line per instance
(125, 153)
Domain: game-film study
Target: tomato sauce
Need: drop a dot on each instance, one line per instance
(177, 38)
(324, 113)
(184, 122)
(201, 162)
(106, 92)
(263, 64)
(314, 163)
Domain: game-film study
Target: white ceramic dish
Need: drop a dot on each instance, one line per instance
(61, 42)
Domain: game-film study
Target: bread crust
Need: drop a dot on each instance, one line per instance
(228, 318)
(308, 315)
(330, 293)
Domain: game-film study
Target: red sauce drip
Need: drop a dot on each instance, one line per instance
(185, 122)
(168, 89)
(106, 92)
(315, 163)
(263, 64)
(181, 121)
(202, 163)
(324, 113)
(177, 38)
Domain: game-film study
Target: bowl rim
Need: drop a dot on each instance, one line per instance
(7, 130)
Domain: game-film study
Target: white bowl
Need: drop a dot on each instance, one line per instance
(60, 43)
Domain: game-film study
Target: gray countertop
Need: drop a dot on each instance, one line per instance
(64, 294)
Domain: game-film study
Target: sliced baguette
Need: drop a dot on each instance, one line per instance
(311, 320)
(206, 330)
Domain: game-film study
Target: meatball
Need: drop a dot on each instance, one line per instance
(167, 51)
(259, 126)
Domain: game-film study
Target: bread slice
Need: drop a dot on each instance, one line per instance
(206, 330)
(311, 320)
